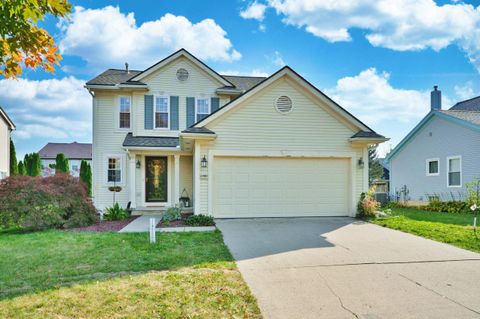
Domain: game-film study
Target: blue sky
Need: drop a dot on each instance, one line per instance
(378, 59)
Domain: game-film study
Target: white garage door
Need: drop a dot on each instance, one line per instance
(280, 187)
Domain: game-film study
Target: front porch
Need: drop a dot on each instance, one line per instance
(158, 179)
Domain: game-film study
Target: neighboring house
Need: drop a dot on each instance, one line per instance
(239, 146)
(441, 154)
(75, 152)
(6, 128)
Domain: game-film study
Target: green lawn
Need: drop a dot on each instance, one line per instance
(454, 229)
(109, 275)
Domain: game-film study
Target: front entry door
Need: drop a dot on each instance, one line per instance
(156, 179)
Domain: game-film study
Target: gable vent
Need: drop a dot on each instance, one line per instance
(182, 74)
(284, 104)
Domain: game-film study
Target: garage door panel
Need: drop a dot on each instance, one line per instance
(278, 187)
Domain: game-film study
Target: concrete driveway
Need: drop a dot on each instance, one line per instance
(343, 268)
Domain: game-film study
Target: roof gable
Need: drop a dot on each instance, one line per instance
(291, 74)
(449, 116)
(174, 56)
(6, 119)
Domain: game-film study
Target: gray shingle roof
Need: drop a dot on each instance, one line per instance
(200, 130)
(244, 83)
(467, 105)
(113, 77)
(150, 141)
(70, 150)
(469, 116)
(367, 134)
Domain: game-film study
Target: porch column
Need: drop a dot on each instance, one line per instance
(196, 178)
(176, 186)
(132, 171)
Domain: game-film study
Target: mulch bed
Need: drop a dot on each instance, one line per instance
(105, 226)
(173, 223)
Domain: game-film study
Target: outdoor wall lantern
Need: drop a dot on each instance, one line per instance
(138, 164)
(204, 162)
(361, 164)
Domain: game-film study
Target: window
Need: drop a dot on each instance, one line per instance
(114, 171)
(161, 112)
(75, 168)
(454, 171)
(202, 108)
(433, 167)
(124, 117)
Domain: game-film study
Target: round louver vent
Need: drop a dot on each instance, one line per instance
(284, 104)
(182, 74)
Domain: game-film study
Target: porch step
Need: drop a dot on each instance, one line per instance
(156, 210)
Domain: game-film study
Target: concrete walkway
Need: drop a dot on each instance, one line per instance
(342, 268)
(140, 224)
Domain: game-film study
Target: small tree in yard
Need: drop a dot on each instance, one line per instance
(86, 175)
(61, 164)
(21, 169)
(33, 166)
(13, 160)
(375, 169)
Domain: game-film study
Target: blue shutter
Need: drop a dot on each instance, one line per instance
(215, 104)
(190, 111)
(148, 112)
(174, 113)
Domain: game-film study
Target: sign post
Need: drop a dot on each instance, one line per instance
(152, 230)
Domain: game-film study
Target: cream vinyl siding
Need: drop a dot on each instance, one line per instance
(165, 82)
(4, 148)
(107, 139)
(255, 125)
(280, 187)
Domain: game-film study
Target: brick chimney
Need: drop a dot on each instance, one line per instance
(436, 99)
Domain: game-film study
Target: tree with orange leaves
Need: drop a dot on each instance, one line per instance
(22, 43)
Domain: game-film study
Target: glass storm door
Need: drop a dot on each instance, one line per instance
(156, 179)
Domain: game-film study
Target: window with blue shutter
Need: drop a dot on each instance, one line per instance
(148, 101)
(215, 102)
(190, 111)
(174, 113)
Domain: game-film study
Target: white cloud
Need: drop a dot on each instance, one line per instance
(254, 11)
(466, 91)
(277, 59)
(54, 108)
(388, 110)
(395, 24)
(107, 37)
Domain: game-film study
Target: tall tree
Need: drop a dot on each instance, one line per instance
(27, 163)
(13, 159)
(36, 165)
(22, 43)
(21, 169)
(61, 164)
(86, 175)
(375, 169)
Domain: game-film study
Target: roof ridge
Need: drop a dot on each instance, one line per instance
(114, 69)
(245, 76)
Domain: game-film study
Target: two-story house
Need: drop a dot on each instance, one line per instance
(239, 146)
(6, 128)
(440, 155)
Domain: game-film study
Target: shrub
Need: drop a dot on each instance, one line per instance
(171, 214)
(447, 207)
(35, 203)
(199, 220)
(116, 212)
(367, 205)
(61, 164)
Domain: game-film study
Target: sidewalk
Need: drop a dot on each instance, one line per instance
(140, 224)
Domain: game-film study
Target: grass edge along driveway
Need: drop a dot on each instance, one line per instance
(110, 275)
(449, 228)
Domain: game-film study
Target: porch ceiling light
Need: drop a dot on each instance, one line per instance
(204, 162)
